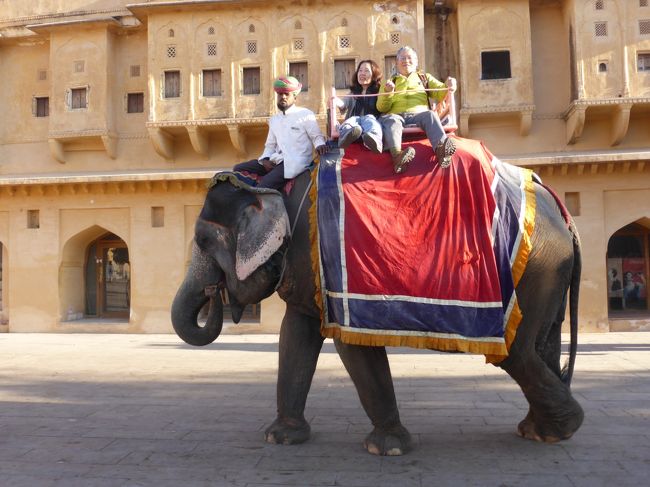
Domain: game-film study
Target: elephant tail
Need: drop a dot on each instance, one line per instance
(574, 294)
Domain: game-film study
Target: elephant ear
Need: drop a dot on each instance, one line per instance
(260, 233)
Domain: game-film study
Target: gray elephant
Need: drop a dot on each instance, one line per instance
(255, 242)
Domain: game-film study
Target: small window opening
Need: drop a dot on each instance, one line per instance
(572, 202)
(643, 61)
(343, 71)
(600, 29)
(135, 103)
(211, 82)
(297, 25)
(135, 71)
(157, 216)
(210, 31)
(251, 28)
(251, 47)
(600, 4)
(602, 67)
(170, 33)
(299, 71)
(172, 84)
(42, 106)
(644, 27)
(495, 65)
(78, 98)
(251, 81)
(33, 219)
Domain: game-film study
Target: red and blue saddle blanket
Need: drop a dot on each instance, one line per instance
(430, 258)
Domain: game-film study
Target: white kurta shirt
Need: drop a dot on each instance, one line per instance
(292, 138)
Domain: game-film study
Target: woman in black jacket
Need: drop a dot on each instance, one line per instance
(361, 111)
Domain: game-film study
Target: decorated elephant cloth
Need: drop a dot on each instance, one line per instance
(427, 259)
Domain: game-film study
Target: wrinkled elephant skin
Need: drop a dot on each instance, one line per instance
(243, 241)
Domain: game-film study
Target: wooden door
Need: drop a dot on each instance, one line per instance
(113, 280)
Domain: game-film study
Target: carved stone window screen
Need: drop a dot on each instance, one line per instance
(251, 47)
(298, 44)
(643, 3)
(210, 31)
(600, 29)
(135, 71)
(644, 27)
(171, 51)
(212, 49)
(344, 42)
(395, 38)
(600, 5)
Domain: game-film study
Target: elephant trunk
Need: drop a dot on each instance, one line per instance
(197, 288)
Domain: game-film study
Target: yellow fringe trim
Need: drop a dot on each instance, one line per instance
(313, 240)
(356, 337)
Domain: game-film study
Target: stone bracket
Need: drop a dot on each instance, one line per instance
(56, 150)
(163, 142)
(575, 123)
(200, 141)
(110, 144)
(620, 122)
(238, 139)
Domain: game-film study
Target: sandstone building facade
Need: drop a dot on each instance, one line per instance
(115, 113)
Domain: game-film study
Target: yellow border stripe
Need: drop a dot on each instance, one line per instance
(313, 239)
(520, 263)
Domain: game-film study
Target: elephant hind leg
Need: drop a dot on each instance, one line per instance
(554, 414)
(370, 372)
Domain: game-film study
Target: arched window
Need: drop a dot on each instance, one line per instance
(344, 22)
(297, 25)
(251, 28)
(600, 4)
(171, 33)
(210, 31)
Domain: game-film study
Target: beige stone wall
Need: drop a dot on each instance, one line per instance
(583, 130)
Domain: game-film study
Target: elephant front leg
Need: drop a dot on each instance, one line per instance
(370, 371)
(299, 348)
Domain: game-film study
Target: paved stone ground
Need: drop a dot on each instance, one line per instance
(139, 410)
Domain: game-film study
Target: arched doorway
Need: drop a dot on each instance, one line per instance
(628, 268)
(108, 278)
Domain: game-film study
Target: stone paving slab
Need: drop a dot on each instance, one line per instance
(141, 410)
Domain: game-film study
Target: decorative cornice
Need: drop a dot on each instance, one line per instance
(217, 122)
(497, 109)
(595, 102)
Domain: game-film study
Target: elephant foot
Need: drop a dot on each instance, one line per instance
(549, 432)
(393, 441)
(287, 432)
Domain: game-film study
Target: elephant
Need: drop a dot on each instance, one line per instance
(253, 243)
